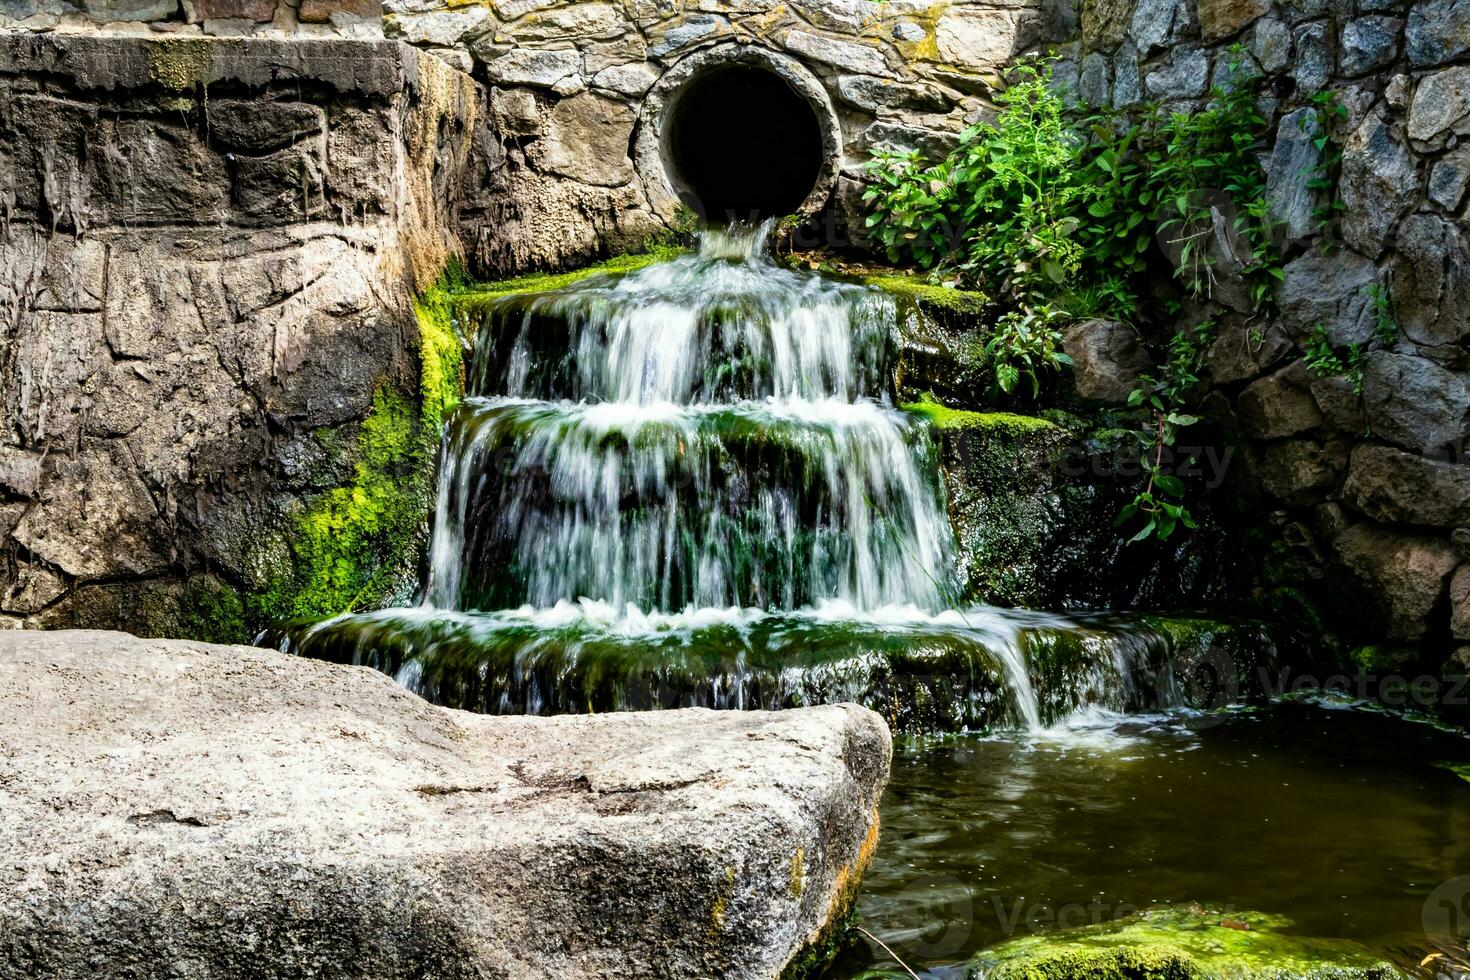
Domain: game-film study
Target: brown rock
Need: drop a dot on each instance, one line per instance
(1399, 576)
(1222, 18)
(1279, 405)
(1393, 486)
(198, 11)
(1107, 359)
(1341, 403)
(1105, 22)
(321, 11)
(1460, 603)
(1301, 472)
(1243, 351)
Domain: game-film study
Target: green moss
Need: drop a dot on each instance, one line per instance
(1378, 658)
(966, 302)
(350, 544)
(815, 956)
(355, 545)
(441, 355)
(955, 419)
(212, 611)
(1183, 944)
(549, 281)
(1189, 632)
(1292, 605)
(1460, 769)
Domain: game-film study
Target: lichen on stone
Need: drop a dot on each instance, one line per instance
(180, 63)
(798, 872)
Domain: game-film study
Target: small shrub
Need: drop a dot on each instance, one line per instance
(1024, 343)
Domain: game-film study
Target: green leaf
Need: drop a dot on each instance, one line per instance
(1146, 531)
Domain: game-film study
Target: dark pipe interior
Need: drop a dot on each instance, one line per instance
(742, 144)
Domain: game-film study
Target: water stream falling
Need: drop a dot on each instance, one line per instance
(690, 485)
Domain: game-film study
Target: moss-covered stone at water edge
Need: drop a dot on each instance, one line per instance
(1182, 943)
(1003, 423)
(934, 298)
(544, 282)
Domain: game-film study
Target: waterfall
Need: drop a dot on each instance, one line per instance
(689, 485)
(709, 432)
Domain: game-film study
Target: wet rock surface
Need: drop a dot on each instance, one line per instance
(263, 815)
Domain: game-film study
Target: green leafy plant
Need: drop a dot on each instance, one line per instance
(1320, 358)
(1326, 110)
(1058, 214)
(1385, 320)
(1159, 403)
(1323, 361)
(1192, 159)
(1020, 203)
(1024, 343)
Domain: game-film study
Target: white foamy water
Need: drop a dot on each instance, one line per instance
(724, 322)
(720, 437)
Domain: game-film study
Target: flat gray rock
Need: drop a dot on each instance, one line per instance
(176, 809)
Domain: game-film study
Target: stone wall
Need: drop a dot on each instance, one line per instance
(210, 253)
(196, 18)
(567, 171)
(1359, 476)
(570, 88)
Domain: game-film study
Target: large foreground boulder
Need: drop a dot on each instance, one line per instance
(173, 809)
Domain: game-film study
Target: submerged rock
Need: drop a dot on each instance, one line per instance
(179, 810)
(1183, 943)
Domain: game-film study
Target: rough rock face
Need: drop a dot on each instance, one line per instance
(1107, 359)
(226, 811)
(1033, 505)
(1352, 393)
(1400, 577)
(211, 253)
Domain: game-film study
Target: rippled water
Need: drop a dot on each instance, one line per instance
(1343, 821)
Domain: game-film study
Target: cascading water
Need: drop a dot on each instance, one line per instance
(689, 485)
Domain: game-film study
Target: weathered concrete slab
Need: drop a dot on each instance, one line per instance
(178, 809)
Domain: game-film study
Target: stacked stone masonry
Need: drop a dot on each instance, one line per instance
(1362, 474)
(560, 180)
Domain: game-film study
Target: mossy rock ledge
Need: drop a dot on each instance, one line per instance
(1181, 943)
(1034, 499)
(267, 812)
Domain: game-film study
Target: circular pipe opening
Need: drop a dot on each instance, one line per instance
(737, 131)
(741, 144)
